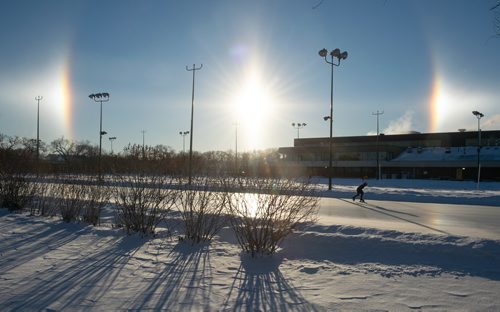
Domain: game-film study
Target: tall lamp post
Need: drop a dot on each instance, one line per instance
(236, 169)
(111, 139)
(100, 97)
(143, 141)
(478, 116)
(193, 69)
(378, 149)
(183, 134)
(38, 99)
(339, 56)
(298, 126)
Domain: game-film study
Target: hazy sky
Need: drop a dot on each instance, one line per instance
(426, 64)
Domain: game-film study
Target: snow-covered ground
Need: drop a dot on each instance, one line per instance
(46, 264)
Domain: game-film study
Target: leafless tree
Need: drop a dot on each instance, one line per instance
(64, 148)
(67, 149)
(16, 191)
(44, 199)
(202, 210)
(271, 209)
(70, 200)
(96, 197)
(317, 4)
(143, 201)
(496, 19)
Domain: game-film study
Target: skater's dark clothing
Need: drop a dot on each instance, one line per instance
(359, 192)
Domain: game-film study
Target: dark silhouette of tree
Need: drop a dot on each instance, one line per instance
(75, 157)
(496, 19)
(17, 154)
(317, 4)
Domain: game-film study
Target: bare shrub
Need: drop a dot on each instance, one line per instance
(15, 191)
(43, 199)
(96, 197)
(143, 201)
(202, 210)
(263, 218)
(70, 200)
(79, 198)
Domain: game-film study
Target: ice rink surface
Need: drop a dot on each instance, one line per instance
(449, 219)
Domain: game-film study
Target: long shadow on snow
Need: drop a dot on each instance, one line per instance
(33, 239)
(185, 283)
(354, 246)
(181, 284)
(76, 280)
(259, 285)
(393, 213)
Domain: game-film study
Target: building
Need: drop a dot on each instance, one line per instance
(449, 155)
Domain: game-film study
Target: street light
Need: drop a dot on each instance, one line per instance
(478, 116)
(378, 149)
(193, 69)
(298, 126)
(100, 97)
(143, 140)
(111, 139)
(236, 169)
(339, 56)
(183, 134)
(38, 99)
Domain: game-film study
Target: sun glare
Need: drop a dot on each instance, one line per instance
(253, 108)
(251, 206)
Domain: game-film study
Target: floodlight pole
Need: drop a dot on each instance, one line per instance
(143, 140)
(193, 69)
(236, 169)
(298, 126)
(378, 149)
(478, 116)
(339, 56)
(183, 134)
(100, 97)
(38, 99)
(111, 139)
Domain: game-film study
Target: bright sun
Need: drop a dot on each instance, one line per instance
(253, 108)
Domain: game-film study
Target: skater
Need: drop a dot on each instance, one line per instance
(360, 193)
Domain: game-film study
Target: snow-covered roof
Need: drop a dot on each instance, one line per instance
(489, 153)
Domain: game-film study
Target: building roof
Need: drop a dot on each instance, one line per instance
(446, 138)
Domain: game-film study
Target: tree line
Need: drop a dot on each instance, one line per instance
(65, 156)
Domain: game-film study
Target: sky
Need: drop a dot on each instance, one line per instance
(425, 64)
